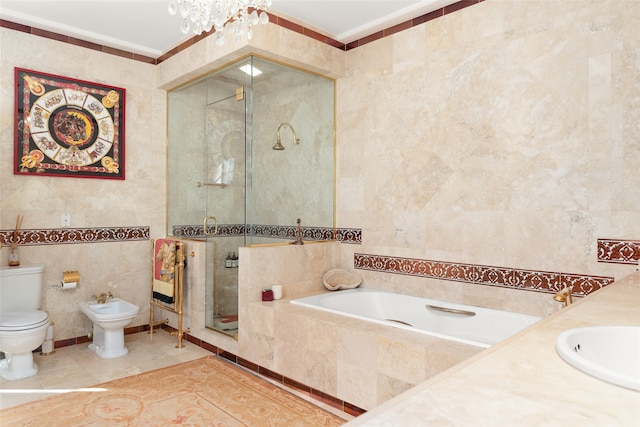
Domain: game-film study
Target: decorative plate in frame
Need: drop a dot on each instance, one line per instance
(68, 128)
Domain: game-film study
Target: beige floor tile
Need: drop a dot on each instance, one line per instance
(76, 367)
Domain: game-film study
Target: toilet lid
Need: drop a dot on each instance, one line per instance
(20, 320)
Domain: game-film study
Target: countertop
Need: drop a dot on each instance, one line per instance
(522, 381)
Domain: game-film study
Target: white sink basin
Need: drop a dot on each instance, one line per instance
(609, 353)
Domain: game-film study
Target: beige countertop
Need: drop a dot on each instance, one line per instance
(522, 381)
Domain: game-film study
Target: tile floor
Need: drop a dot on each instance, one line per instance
(75, 367)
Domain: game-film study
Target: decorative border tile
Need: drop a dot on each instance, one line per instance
(344, 235)
(530, 280)
(195, 231)
(58, 236)
(619, 251)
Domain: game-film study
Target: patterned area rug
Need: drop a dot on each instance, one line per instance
(203, 392)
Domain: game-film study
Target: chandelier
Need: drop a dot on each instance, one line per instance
(235, 17)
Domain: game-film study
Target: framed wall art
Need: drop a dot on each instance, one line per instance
(68, 128)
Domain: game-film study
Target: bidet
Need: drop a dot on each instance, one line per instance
(109, 320)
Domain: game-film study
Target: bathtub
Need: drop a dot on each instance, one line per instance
(467, 324)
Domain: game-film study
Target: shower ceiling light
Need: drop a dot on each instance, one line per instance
(235, 17)
(252, 71)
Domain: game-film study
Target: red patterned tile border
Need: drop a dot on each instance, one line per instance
(344, 235)
(349, 235)
(619, 251)
(58, 236)
(530, 280)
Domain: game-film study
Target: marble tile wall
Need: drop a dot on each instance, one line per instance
(450, 18)
(102, 211)
(305, 168)
(504, 135)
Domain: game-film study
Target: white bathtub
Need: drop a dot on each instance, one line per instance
(467, 324)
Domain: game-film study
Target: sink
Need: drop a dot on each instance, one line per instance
(609, 353)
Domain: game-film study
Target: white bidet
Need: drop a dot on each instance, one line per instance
(109, 320)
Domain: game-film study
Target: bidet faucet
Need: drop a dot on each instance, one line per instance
(102, 298)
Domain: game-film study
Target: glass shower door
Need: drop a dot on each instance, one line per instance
(225, 203)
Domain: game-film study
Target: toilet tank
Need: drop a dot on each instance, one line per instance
(21, 288)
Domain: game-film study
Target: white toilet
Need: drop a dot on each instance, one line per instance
(109, 320)
(23, 327)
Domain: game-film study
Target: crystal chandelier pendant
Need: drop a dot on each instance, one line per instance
(237, 17)
(173, 7)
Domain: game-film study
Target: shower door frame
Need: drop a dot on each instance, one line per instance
(221, 281)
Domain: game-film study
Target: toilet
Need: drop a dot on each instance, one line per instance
(23, 327)
(109, 320)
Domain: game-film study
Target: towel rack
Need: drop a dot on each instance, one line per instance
(178, 288)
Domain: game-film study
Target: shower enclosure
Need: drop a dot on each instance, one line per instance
(250, 150)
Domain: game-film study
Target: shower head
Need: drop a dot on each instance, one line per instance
(279, 145)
